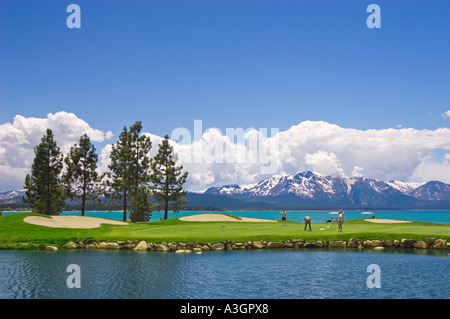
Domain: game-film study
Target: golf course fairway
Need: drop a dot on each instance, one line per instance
(18, 234)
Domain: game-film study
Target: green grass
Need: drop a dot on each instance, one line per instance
(16, 234)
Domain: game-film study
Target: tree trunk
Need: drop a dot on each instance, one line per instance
(166, 208)
(125, 206)
(83, 202)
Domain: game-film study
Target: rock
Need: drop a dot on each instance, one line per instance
(228, 246)
(90, 246)
(172, 246)
(430, 240)
(112, 246)
(51, 248)
(388, 243)
(310, 245)
(107, 245)
(257, 244)
(274, 244)
(142, 245)
(288, 244)
(71, 245)
(420, 244)
(377, 243)
(218, 246)
(379, 247)
(162, 247)
(397, 243)
(439, 244)
(407, 243)
(353, 243)
(298, 242)
(129, 245)
(320, 244)
(372, 243)
(183, 251)
(337, 244)
(81, 244)
(199, 245)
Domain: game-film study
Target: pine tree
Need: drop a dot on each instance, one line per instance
(168, 178)
(44, 192)
(81, 172)
(142, 207)
(139, 170)
(118, 170)
(130, 165)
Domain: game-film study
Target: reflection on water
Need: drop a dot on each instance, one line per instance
(289, 274)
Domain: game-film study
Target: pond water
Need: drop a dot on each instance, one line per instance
(256, 274)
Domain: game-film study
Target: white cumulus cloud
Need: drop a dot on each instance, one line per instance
(446, 114)
(250, 155)
(18, 139)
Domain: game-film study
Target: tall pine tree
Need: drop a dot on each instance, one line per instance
(81, 172)
(139, 173)
(117, 186)
(168, 178)
(44, 191)
(129, 168)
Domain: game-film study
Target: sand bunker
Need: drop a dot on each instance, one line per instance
(388, 221)
(71, 221)
(222, 218)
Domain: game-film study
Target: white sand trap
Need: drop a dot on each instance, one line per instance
(387, 221)
(71, 221)
(222, 218)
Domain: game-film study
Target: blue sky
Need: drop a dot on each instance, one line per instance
(229, 63)
(261, 64)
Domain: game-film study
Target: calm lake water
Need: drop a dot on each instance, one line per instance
(261, 274)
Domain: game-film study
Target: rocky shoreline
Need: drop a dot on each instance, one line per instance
(196, 247)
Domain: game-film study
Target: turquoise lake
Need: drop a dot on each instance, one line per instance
(433, 216)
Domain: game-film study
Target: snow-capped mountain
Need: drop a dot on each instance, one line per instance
(11, 197)
(313, 189)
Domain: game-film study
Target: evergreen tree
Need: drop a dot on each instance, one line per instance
(130, 165)
(81, 174)
(118, 170)
(44, 192)
(141, 206)
(168, 178)
(139, 175)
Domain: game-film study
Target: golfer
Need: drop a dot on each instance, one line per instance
(283, 217)
(340, 220)
(307, 222)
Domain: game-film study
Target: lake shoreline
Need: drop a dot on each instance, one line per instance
(227, 245)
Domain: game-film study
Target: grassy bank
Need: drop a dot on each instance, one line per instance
(16, 234)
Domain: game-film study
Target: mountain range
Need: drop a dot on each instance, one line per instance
(309, 190)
